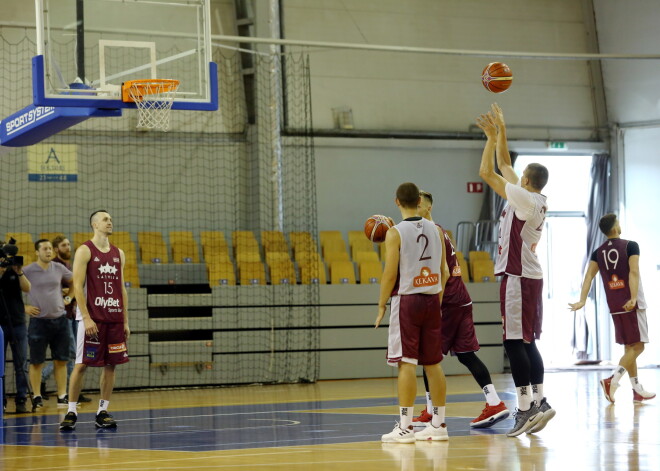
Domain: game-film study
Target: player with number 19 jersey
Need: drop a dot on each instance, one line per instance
(103, 285)
(612, 259)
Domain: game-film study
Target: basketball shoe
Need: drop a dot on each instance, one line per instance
(525, 420)
(422, 419)
(69, 422)
(105, 420)
(641, 396)
(399, 435)
(548, 413)
(490, 416)
(433, 433)
(608, 388)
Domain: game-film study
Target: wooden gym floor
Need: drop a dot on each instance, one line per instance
(336, 425)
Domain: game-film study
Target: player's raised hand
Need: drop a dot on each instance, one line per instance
(498, 115)
(486, 123)
(576, 306)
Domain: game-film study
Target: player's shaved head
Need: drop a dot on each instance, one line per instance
(408, 195)
(607, 223)
(538, 176)
(95, 215)
(426, 195)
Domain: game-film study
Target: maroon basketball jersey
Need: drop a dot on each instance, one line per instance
(612, 259)
(456, 293)
(103, 285)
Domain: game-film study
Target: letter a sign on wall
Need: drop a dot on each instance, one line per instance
(52, 163)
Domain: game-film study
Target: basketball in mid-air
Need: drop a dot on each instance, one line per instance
(497, 77)
(376, 227)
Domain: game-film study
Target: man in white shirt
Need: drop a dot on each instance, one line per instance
(521, 288)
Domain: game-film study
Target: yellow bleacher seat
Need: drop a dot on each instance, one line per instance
(131, 276)
(329, 235)
(221, 274)
(370, 272)
(282, 270)
(465, 274)
(333, 245)
(25, 245)
(312, 272)
(152, 247)
(274, 257)
(50, 235)
(300, 237)
(212, 239)
(342, 272)
(80, 237)
(336, 256)
(183, 246)
(251, 273)
(361, 257)
(217, 256)
(241, 237)
(381, 251)
(275, 246)
(483, 271)
(361, 245)
(308, 257)
(248, 256)
(355, 235)
(272, 236)
(478, 255)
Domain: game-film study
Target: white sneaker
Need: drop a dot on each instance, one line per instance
(642, 395)
(399, 435)
(433, 433)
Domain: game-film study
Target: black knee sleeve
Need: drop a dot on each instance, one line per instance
(476, 367)
(519, 361)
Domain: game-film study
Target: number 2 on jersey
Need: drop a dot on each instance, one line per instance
(426, 244)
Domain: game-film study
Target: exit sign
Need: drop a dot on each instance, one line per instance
(557, 145)
(475, 187)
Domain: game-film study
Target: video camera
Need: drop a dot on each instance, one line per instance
(8, 257)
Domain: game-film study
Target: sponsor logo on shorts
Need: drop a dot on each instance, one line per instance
(91, 351)
(426, 278)
(117, 347)
(456, 271)
(616, 283)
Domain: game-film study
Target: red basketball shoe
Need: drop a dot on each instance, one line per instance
(424, 417)
(608, 388)
(641, 396)
(490, 416)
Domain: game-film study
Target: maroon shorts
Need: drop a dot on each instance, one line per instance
(631, 327)
(521, 305)
(458, 335)
(107, 348)
(415, 330)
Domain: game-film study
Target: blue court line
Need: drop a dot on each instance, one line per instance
(195, 429)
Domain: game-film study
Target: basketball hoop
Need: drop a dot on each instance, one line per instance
(153, 98)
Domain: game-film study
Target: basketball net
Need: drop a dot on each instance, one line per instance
(153, 99)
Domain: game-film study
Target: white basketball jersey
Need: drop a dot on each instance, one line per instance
(420, 256)
(521, 224)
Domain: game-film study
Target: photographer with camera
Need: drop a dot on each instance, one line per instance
(12, 318)
(48, 324)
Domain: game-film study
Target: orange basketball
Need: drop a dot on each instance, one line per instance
(497, 77)
(376, 227)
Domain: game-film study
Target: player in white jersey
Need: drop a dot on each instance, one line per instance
(414, 276)
(521, 288)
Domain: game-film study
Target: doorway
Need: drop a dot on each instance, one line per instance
(562, 249)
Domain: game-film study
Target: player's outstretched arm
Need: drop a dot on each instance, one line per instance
(592, 270)
(487, 169)
(387, 281)
(502, 150)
